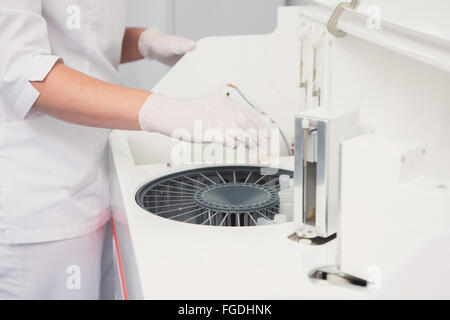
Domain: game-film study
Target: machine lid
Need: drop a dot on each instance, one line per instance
(415, 28)
(428, 17)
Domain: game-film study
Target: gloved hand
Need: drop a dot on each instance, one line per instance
(168, 49)
(214, 118)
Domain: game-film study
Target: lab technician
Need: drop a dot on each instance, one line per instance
(59, 95)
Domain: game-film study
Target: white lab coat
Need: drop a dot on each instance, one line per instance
(72, 269)
(53, 175)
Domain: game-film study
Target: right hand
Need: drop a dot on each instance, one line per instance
(166, 48)
(214, 118)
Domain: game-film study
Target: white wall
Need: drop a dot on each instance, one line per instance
(299, 2)
(157, 13)
(200, 18)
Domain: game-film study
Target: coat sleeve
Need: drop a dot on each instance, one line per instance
(25, 52)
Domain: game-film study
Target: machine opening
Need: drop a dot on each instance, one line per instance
(234, 196)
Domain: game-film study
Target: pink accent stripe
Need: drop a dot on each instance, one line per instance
(119, 260)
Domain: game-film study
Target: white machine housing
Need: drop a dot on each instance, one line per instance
(393, 227)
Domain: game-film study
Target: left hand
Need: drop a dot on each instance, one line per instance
(168, 49)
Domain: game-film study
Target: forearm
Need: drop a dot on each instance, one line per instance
(74, 97)
(130, 50)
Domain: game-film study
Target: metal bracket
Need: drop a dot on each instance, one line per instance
(334, 19)
(332, 275)
(311, 240)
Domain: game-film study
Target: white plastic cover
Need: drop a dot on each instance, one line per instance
(428, 17)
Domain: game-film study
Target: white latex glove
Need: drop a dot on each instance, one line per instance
(230, 123)
(168, 49)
